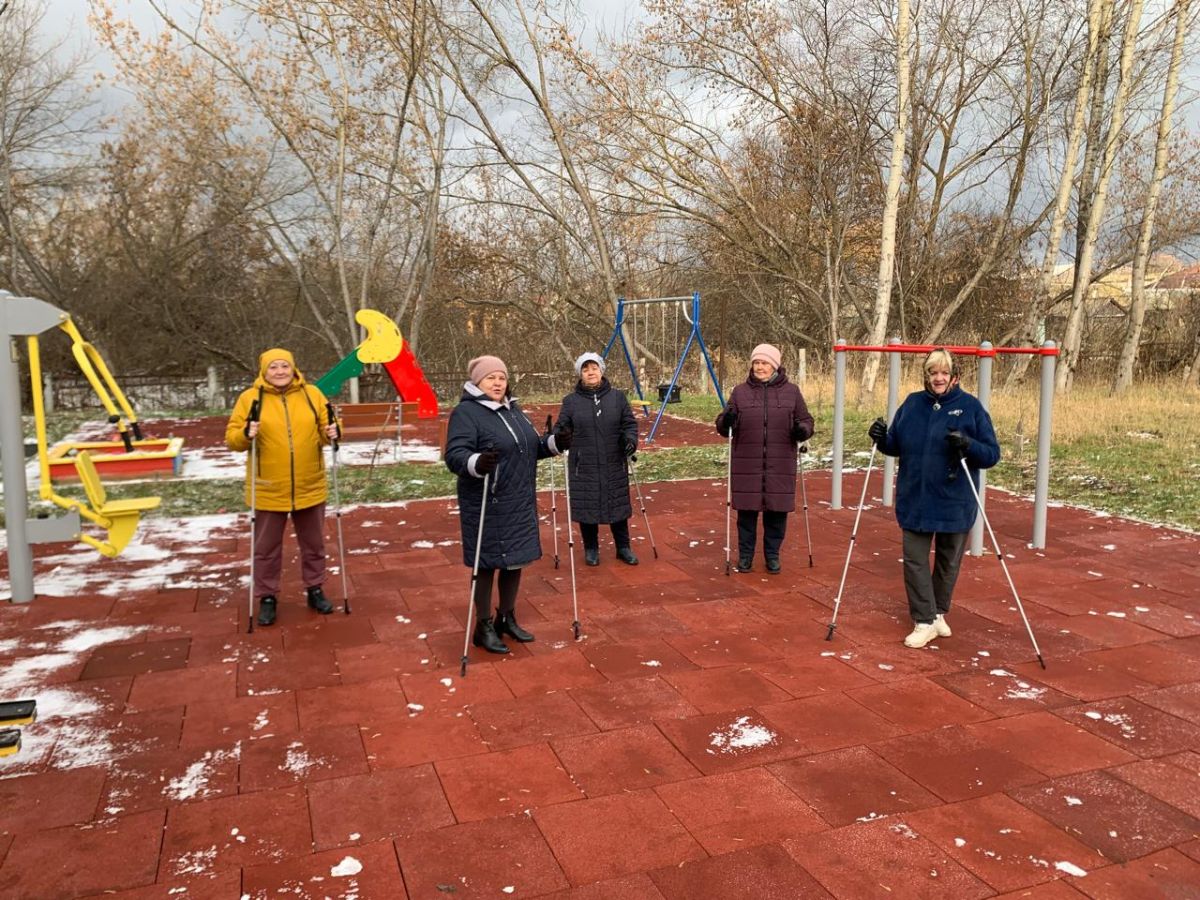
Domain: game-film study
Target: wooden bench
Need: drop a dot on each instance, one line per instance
(372, 421)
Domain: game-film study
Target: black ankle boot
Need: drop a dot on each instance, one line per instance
(625, 555)
(745, 563)
(773, 565)
(506, 623)
(486, 637)
(591, 556)
(318, 601)
(266, 611)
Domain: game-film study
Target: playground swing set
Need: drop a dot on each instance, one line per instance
(628, 312)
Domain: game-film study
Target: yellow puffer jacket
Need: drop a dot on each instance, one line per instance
(291, 438)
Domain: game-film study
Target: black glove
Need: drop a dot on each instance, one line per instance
(563, 438)
(728, 422)
(487, 461)
(878, 431)
(629, 448)
(800, 433)
(959, 443)
(803, 448)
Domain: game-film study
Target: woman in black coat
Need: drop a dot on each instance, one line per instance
(488, 435)
(768, 418)
(605, 434)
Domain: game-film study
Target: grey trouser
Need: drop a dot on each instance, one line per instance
(929, 591)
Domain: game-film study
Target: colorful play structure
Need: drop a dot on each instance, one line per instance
(386, 346)
(29, 317)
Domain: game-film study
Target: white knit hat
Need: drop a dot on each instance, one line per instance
(587, 358)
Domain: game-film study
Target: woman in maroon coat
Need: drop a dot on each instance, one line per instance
(768, 418)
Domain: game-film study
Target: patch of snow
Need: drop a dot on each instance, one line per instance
(1070, 869)
(652, 663)
(1073, 801)
(348, 866)
(741, 735)
(959, 842)
(422, 545)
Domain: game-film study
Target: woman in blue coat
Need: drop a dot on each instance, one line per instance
(932, 432)
(605, 435)
(489, 436)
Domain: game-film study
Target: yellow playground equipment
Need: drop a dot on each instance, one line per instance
(118, 517)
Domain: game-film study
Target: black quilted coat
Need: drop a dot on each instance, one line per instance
(510, 528)
(602, 420)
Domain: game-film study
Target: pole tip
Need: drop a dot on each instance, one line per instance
(464, 667)
(1041, 661)
(810, 562)
(829, 634)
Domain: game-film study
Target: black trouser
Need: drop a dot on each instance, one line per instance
(510, 583)
(591, 534)
(774, 528)
(929, 590)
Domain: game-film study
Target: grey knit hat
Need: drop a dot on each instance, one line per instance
(587, 358)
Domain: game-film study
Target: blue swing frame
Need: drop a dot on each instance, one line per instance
(694, 336)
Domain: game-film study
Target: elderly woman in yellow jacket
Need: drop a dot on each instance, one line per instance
(291, 431)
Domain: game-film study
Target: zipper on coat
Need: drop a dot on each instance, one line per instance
(291, 448)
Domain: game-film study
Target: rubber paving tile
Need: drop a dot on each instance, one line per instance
(631, 702)
(591, 838)
(852, 785)
(736, 751)
(1004, 844)
(885, 858)
(506, 782)
(491, 858)
(386, 804)
(1104, 812)
(739, 809)
(765, 872)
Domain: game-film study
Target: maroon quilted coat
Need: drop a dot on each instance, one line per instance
(764, 453)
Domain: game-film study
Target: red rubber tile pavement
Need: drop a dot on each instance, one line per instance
(744, 752)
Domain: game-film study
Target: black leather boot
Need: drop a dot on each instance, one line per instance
(266, 611)
(745, 563)
(625, 555)
(591, 556)
(773, 565)
(506, 623)
(318, 601)
(486, 637)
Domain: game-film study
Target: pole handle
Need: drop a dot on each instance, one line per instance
(333, 421)
(255, 412)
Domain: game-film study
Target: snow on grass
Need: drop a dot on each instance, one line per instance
(741, 735)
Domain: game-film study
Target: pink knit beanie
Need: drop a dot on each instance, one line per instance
(482, 366)
(768, 353)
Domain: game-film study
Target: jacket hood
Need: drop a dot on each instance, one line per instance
(472, 391)
(269, 356)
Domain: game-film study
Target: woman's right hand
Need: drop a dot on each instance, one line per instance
(252, 430)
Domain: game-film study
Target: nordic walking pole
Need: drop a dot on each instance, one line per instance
(475, 574)
(337, 510)
(1000, 556)
(801, 450)
(728, 497)
(642, 503)
(837, 602)
(571, 541)
(255, 410)
(553, 497)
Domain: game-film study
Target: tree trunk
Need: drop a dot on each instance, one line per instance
(1137, 301)
(1041, 300)
(1072, 338)
(887, 241)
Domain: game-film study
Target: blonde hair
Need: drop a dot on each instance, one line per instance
(938, 357)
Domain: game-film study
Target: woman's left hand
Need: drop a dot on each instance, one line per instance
(331, 431)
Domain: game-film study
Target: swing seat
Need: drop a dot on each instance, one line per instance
(643, 403)
(662, 393)
(118, 517)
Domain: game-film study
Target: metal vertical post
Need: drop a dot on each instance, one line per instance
(986, 358)
(839, 421)
(12, 457)
(1041, 493)
(889, 463)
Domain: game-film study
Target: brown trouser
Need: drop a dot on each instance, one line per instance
(309, 525)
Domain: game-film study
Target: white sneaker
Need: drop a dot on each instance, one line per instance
(942, 626)
(921, 635)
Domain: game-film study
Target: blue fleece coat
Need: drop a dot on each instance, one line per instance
(510, 527)
(931, 492)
